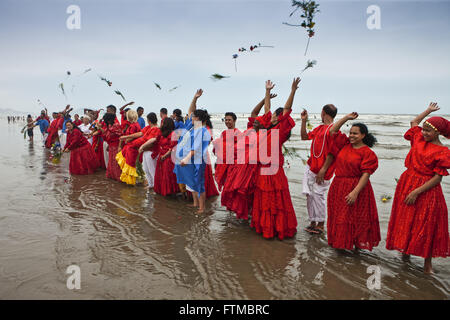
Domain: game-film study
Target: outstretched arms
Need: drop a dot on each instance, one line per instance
(259, 106)
(290, 100)
(128, 104)
(335, 128)
(431, 108)
(193, 105)
(269, 86)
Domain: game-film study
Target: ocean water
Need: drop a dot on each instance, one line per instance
(132, 244)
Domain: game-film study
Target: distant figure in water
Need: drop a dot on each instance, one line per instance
(30, 126)
(82, 157)
(419, 218)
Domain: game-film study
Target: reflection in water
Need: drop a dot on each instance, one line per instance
(133, 244)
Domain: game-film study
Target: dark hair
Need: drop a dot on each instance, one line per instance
(178, 115)
(369, 139)
(112, 107)
(163, 110)
(330, 110)
(151, 117)
(231, 114)
(167, 126)
(139, 108)
(203, 116)
(73, 124)
(278, 112)
(109, 118)
(29, 116)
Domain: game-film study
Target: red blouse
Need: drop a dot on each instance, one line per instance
(75, 139)
(221, 147)
(320, 149)
(166, 143)
(352, 163)
(111, 134)
(424, 157)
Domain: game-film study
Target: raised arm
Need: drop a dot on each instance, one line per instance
(269, 86)
(303, 133)
(290, 100)
(193, 105)
(128, 104)
(431, 108)
(335, 128)
(259, 106)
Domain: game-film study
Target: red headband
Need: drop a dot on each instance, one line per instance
(440, 124)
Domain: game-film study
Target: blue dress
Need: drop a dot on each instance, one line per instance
(197, 140)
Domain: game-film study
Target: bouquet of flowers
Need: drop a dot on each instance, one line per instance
(55, 153)
(140, 171)
(385, 198)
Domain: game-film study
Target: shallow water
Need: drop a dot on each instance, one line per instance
(131, 244)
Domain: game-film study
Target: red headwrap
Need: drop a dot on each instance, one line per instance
(440, 124)
(265, 119)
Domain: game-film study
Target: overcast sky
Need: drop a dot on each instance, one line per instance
(397, 69)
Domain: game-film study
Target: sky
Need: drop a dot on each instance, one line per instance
(397, 69)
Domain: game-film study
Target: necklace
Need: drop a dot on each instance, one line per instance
(323, 144)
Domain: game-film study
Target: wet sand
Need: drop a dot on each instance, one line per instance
(132, 244)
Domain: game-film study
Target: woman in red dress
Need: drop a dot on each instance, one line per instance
(352, 210)
(165, 178)
(82, 158)
(126, 158)
(221, 149)
(273, 213)
(52, 131)
(239, 185)
(210, 183)
(419, 218)
(97, 140)
(111, 132)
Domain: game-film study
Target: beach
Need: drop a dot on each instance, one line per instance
(133, 244)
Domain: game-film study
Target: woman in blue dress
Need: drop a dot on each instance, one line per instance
(191, 154)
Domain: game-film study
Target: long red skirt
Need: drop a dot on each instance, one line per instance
(97, 145)
(165, 179)
(220, 174)
(113, 170)
(238, 190)
(83, 160)
(420, 229)
(356, 225)
(273, 213)
(51, 138)
(210, 184)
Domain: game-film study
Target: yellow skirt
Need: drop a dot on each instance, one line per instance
(129, 174)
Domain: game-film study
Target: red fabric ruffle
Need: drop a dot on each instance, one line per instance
(83, 160)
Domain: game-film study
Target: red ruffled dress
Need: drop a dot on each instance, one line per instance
(82, 158)
(165, 178)
(97, 145)
(273, 213)
(128, 156)
(353, 225)
(52, 133)
(239, 186)
(420, 229)
(220, 149)
(210, 184)
(111, 136)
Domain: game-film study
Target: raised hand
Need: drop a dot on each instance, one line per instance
(198, 94)
(269, 85)
(352, 116)
(433, 107)
(304, 115)
(295, 83)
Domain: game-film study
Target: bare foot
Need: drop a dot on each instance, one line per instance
(200, 211)
(192, 205)
(406, 257)
(427, 268)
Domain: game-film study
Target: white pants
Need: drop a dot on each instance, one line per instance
(44, 137)
(149, 166)
(316, 200)
(62, 138)
(105, 153)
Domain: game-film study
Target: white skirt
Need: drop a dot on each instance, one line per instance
(149, 166)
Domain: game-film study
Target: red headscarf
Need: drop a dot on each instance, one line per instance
(265, 119)
(441, 125)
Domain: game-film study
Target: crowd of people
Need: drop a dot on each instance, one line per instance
(249, 170)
